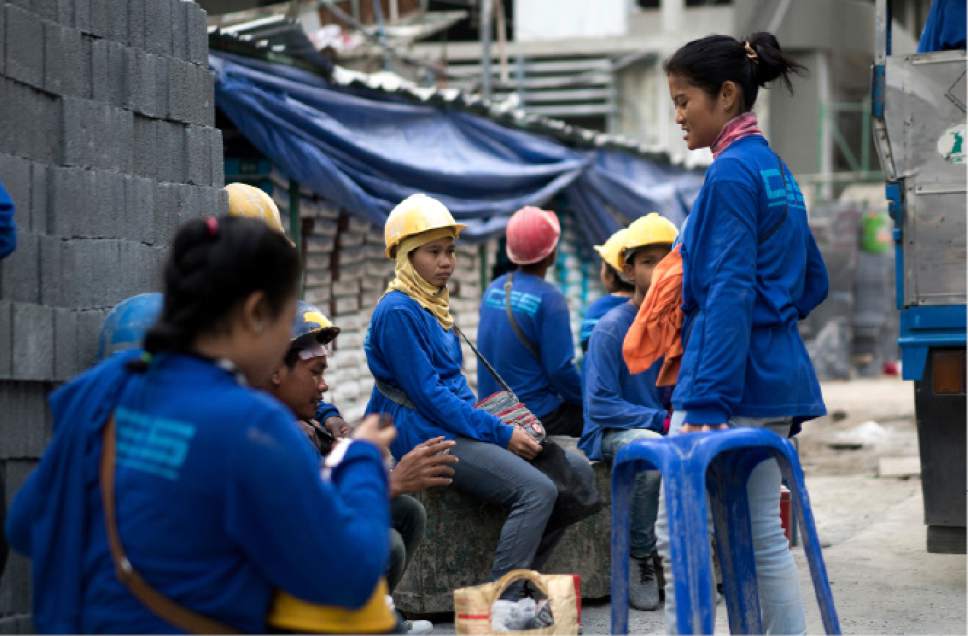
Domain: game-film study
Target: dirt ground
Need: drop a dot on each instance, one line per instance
(871, 528)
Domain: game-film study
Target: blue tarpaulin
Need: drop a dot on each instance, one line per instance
(366, 152)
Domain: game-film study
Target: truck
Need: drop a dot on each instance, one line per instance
(918, 116)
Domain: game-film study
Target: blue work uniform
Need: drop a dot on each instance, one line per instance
(541, 313)
(219, 503)
(594, 313)
(751, 270)
(945, 27)
(407, 349)
(614, 398)
(326, 410)
(8, 228)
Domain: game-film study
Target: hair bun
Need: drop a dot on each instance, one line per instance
(770, 63)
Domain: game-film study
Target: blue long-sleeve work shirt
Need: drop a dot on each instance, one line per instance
(751, 270)
(219, 504)
(407, 349)
(8, 228)
(615, 399)
(594, 313)
(541, 312)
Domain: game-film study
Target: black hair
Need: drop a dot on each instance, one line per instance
(620, 284)
(711, 61)
(215, 263)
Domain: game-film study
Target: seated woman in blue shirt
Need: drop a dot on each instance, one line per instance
(415, 357)
(751, 270)
(213, 480)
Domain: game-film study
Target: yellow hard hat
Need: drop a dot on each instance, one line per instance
(251, 202)
(414, 215)
(611, 250)
(651, 229)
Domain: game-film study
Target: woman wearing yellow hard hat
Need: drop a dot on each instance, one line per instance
(415, 357)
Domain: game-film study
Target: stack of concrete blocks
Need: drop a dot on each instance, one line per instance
(107, 143)
(465, 305)
(570, 276)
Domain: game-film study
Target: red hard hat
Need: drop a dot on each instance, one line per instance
(532, 234)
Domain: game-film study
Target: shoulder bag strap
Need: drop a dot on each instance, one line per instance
(162, 606)
(487, 365)
(514, 323)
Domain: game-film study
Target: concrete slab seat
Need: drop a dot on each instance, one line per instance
(462, 534)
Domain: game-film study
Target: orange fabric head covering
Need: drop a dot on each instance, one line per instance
(656, 331)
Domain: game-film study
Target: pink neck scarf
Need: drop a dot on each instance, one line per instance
(735, 129)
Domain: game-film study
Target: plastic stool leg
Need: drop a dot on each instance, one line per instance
(623, 480)
(734, 541)
(685, 492)
(811, 542)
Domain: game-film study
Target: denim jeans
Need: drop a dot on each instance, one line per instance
(776, 572)
(645, 494)
(498, 476)
(408, 521)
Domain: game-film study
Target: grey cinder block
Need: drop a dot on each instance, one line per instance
(3, 47)
(109, 72)
(198, 154)
(70, 193)
(25, 52)
(136, 23)
(197, 24)
(20, 276)
(139, 209)
(38, 198)
(96, 135)
(55, 279)
(82, 15)
(65, 344)
(158, 26)
(25, 425)
(170, 140)
(191, 93)
(179, 30)
(218, 159)
(33, 343)
(145, 147)
(46, 9)
(6, 337)
(67, 61)
(100, 11)
(30, 122)
(118, 20)
(88, 327)
(146, 80)
(108, 218)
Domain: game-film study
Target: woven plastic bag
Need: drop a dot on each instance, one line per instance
(472, 605)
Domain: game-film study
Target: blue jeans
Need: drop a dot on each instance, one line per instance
(645, 494)
(776, 572)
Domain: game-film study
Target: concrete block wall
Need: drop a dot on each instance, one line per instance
(107, 144)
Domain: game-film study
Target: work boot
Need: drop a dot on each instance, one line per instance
(643, 585)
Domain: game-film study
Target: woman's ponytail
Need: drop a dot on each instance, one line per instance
(749, 63)
(770, 62)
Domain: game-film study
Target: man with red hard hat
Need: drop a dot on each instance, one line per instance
(525, 330)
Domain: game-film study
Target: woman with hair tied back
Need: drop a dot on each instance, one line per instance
(751, 270)
(173, 497)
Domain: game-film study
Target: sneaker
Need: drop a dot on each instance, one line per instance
(418, 627)
(643, 585)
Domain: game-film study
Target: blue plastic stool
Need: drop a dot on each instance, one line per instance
(720, 461)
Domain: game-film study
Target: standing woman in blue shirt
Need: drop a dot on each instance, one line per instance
(751, 270)
(218, 498)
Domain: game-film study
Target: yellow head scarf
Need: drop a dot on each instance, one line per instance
(432, 298)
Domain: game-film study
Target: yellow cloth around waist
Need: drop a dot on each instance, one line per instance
(290, 613)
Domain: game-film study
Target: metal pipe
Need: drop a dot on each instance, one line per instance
(487, 11)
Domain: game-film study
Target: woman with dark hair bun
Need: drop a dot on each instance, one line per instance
(751, 270)
(173, 497)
